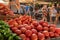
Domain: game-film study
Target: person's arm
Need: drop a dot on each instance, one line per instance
(17, 4)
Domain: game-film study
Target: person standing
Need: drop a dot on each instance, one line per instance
(27, 9)
(14, 5)
(45, 11)
(53, 15)
(22, 10)
(58, 12)
(31, 10)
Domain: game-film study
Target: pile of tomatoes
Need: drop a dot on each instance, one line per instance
(31, 29)
(5, 10)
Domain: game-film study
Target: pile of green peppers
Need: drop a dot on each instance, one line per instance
(6, 33)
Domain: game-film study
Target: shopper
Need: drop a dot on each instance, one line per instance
(22, 10)
(14, 5)
(45, 11)
(58, 11)
(53, 15)
(31, 10)
(27, 9)
(36, 13)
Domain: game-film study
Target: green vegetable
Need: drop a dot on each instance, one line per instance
(6, 33)
(1, 37)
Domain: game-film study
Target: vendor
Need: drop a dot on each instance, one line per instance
(14, 5)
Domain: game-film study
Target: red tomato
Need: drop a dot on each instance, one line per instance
(52, 29)
(23, 29)
(25, 22)
(2, 6)
(23, 36)
(34, 31)
(34, 37)
(14, 29)
(57, 30)
(10, 22)
(39, 28)
(35, 23)
(40, 36)
(51, 34)
(25, 25)
(45, 24)
(27, 38)
(4, 10)
(16, 19)
(18, 32)
(19, 22)
(56, 34)
(20, 26)
(15, 23)
(42, 39)
(52, 25)
(41, 22)
(46, 28)
(28, 27)
(28, 33)
(11, 26)
(32, 26)
(46, 33)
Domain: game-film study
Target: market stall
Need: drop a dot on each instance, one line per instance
(24, 27)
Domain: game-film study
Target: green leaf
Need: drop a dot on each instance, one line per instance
(10, 38)
(1, 37)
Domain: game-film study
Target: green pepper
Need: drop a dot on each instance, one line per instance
(10, 38)
(6, 33)
(1, 37)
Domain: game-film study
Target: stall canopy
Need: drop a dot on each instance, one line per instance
(2, 1)
(41, 2)
(26, 1)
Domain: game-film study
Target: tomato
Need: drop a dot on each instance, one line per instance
(41, 22)
(19, 22)
(45, 24)
(52, 29)
(23, 29)
(4, 10)
(57, 30)
(25, 25)
(28, 33)
(11, 26)
(14, 29)
(23, 36)
(34, 31)
(28, 27)
(34, 37)
(20, 26)
(35, 23)
(56, 34)
(52, 25)
(25, 22)
(46, 28)
(40, 36)
(46, 33)
(42, 39)
(2, 6)
(18, 32)
(51, 34)
(27, 38)
(10, 22)
(39, 28)
(15, 23)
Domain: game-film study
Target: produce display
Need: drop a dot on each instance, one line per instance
(31, 29)
(6, 33)
(4, 10)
